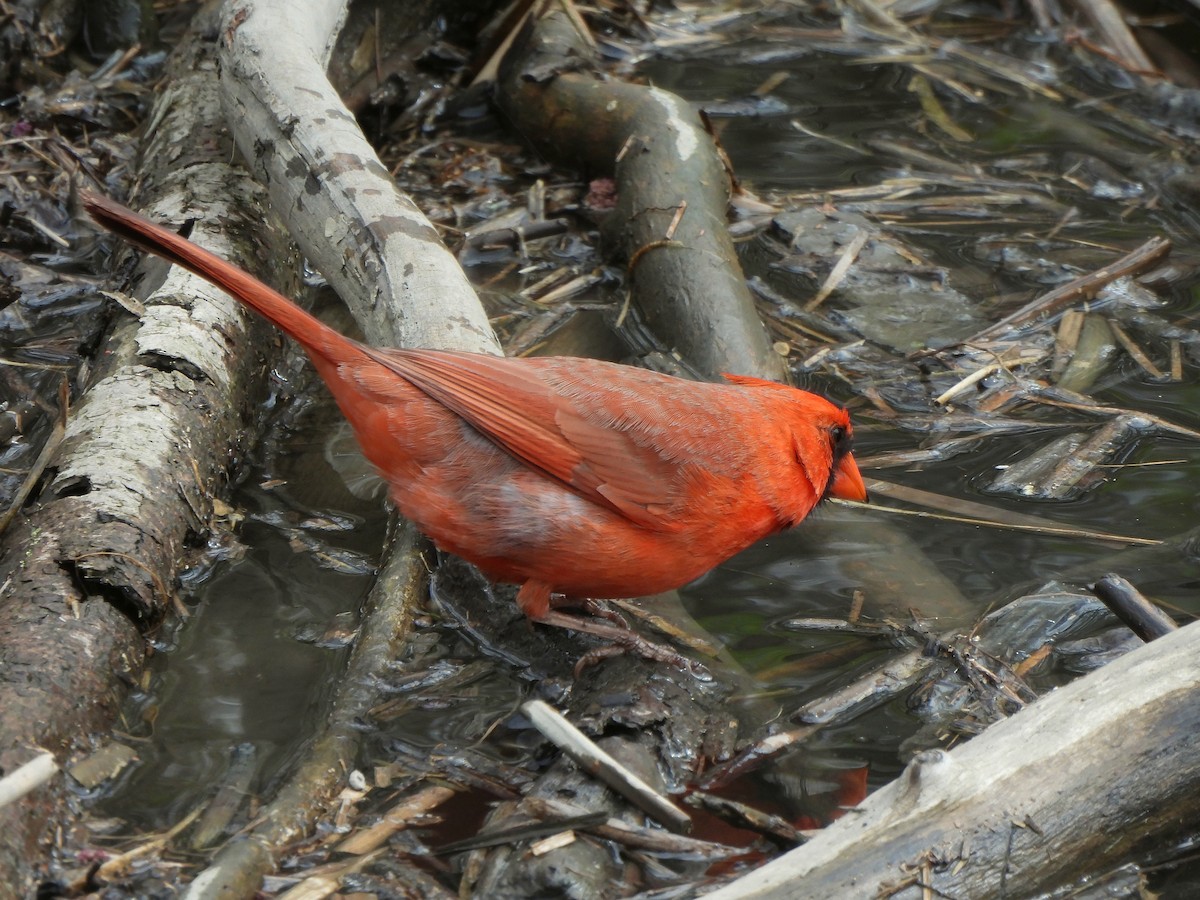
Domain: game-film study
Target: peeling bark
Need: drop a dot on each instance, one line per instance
(94, 560)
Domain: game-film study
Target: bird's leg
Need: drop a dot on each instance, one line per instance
(535, 601)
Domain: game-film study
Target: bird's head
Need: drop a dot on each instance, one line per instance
(822, 440)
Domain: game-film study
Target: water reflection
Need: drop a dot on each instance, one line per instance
(237, 672)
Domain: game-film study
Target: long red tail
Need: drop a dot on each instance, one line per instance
(312, 334)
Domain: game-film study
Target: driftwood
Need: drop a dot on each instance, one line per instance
(1073, 463)
(1074, 784)
(95, 560)
(27, 777)
(1086, 286)
(1129, 605)
(669, 221)
(1067, 787)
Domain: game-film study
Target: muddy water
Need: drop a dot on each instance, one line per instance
(255, 661)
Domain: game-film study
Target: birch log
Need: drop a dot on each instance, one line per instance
(1069, 787)
(369, 240)
(94, 559)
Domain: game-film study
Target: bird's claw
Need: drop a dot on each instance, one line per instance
(600, 610)
(622, 640)
(597, 656)
(636, 645)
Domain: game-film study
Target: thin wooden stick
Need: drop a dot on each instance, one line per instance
(1085, 286)
(1130, 606)
(591, 758)
(27, 777)
(839, 270)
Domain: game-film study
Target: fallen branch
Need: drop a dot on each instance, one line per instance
(95, 559)
(1067, 787)
(1081, 288)
(672, 192)
(377, 250)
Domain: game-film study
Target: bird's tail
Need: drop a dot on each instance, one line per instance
(314, 335)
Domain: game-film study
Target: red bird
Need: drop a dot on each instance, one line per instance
(567, 476)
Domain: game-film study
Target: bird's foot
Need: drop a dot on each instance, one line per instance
(621, 640)
(598, 609)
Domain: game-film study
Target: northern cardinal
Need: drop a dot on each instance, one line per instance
(567, 476)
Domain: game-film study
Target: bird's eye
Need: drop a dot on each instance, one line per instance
(839, 436)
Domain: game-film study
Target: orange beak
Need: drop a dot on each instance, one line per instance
(847, 482)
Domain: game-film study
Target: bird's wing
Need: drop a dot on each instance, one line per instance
(516, 407)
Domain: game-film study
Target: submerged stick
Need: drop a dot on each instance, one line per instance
(1081, 288)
